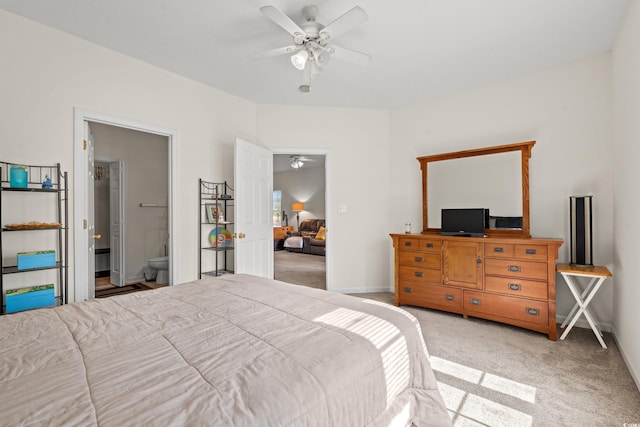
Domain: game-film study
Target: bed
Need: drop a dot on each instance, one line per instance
(236, 350)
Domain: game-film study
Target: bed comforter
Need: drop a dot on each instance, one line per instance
(236, 350)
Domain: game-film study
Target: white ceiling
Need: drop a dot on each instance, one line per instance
(421, 49)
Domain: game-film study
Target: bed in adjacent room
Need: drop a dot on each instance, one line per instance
(236, 350)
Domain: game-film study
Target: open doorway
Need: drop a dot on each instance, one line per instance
(85, 235)
(130, 209)
(299, 219)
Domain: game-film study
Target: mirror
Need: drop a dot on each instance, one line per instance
(496, 178)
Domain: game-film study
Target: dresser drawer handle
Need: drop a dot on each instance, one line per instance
(407, 290)
(407, 243)
(533, 311)
(498, 250)
(449, 297)
(429, 245)
(475, 301)
(418, 273)
(530, 251)
(514, 268)
(515, 286)
(418, 259)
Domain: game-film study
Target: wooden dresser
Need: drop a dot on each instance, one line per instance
(504, 279)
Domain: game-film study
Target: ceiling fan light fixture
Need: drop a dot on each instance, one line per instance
(299, 60)
(296, 163)
(321, 56)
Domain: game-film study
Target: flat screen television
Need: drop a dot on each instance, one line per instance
(464, 222)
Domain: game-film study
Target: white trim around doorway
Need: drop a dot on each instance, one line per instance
(80, 185)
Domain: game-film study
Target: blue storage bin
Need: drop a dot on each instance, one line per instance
(37, 259)
(19, 176)
(30, 298)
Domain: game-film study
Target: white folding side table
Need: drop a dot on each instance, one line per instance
(597, 275)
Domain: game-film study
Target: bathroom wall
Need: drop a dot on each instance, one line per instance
(146, 176)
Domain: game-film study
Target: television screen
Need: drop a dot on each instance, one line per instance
(463, 222)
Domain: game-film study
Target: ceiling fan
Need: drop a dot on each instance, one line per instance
(313, 45)
(297, 161)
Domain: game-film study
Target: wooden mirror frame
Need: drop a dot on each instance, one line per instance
(525, 149)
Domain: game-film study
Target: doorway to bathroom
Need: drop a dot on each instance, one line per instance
(83, 155)
(130, 200)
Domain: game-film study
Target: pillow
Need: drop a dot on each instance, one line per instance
(321, 234)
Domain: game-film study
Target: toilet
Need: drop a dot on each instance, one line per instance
(161, 264)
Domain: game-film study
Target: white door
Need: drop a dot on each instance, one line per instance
(91, 228)
(116, 222)
(253, 188)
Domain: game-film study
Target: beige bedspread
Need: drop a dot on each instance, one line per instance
(231, 351)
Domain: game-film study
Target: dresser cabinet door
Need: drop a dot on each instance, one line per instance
(462, 264)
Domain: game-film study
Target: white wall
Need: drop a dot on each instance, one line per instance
(146, 164)
(356, 142)
(305, 185)
(626, 203)
(567, 110)
(46, 73)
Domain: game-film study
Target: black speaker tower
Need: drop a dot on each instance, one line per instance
(581, 231)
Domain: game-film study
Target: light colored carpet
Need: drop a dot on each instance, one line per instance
(492, 374)
(300, 269)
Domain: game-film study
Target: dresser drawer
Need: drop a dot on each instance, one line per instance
(422, 245)
(531, 252)
(420, 259)
(421, 275)
(516, 287)
(520, 309)
(498, 250)
(515, 268)
(518, 251)
(434, 296)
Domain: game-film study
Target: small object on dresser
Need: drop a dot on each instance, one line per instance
(407, 227)
(19, 176)
(30, 298)
(37, 259)
(46, 184)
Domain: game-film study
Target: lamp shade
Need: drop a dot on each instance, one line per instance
(297, 206)
(299, 60)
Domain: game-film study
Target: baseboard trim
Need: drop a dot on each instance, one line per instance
(362, 291)
(582, 323)
(634, 375)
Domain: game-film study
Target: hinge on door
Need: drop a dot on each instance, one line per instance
(84, 224)
(84, 144)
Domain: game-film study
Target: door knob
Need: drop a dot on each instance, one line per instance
(97, 236)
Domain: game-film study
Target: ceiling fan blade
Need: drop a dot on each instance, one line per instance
(277, 16)
(275, 52)
(346, 22)
(349, 55)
